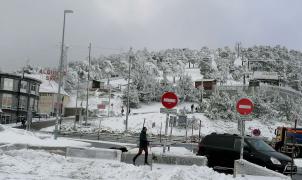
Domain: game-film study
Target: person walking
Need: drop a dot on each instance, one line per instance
(192, 108)
(23, 123)
(143, 145)
(122, 111)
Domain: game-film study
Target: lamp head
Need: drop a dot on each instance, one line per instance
(68, 11)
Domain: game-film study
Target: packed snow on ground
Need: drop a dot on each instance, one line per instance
(31, 164)
(18, 136)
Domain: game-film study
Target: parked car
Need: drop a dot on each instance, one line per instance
(41, 115)
(223, 149)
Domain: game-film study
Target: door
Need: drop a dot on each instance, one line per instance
(249, 153)
(223, 153)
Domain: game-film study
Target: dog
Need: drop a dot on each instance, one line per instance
(123, 149)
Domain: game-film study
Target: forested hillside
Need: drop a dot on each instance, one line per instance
(150, 69)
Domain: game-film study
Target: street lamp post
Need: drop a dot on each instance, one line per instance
(87, 85)
(58, 115)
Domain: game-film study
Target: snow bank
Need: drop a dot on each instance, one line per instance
(18, 136)
(298, 162)
(244, 167)
(30, 164)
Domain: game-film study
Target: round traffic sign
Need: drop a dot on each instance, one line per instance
(256, 132)
(244, 106)
(169, 100)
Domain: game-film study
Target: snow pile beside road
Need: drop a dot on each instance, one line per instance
(18, 136)
(30, 164)
(298, 162)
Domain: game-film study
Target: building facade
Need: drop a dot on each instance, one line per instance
(19, 98)
(48, 103)
(48, 96)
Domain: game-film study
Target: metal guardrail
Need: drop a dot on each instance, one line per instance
(280, 89)
(127, 137)
(287, 91)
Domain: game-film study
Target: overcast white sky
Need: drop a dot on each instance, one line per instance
(32, 29)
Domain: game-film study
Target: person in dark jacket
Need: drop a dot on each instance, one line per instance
(143, 145)
(122, 111)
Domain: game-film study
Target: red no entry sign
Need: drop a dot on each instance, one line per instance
(101, 106)
(169, 100)
(256, 132)
(244, 106)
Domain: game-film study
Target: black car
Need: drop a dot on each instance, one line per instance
(223, 149)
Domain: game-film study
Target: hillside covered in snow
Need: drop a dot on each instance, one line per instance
(153, 73)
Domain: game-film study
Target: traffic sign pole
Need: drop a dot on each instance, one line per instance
(166, 133)
(244, 107)
(169, 100)
(242, 137)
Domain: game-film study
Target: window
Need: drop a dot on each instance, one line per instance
(33, 89)
(5, 119)
(37, 89)
(237, 144)
(14, 102)
(260, 145)
(36, 105)
(21, 117)
(23, 87)
(8, 84)
(31, 104)
(221, 141)
(23, 102)
(7, 101)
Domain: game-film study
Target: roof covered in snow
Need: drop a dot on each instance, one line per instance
(194, 73)
(47, 86)
(265, 75)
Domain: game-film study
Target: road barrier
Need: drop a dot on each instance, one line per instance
(167, 159)
(8, 147)
(180, 159)
(55, 150)
(243, 167)
(96, 153)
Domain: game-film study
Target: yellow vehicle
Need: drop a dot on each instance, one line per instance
(288, 141)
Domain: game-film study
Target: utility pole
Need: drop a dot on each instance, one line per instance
(58, 115)
(109, 107)
(87, 88)
(128, 87)
(109, 97)
(77, 112)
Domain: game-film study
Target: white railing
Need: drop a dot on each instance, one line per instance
(285, 90)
